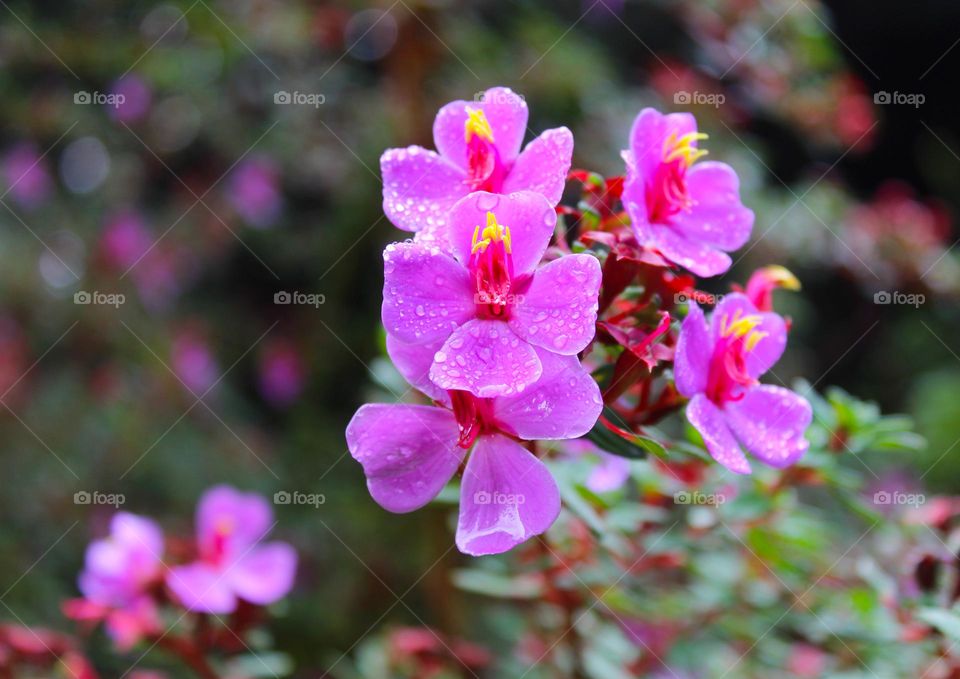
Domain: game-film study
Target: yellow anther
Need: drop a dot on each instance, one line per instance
(754, 338)
(477, 124)
(683, 147)
(782, 277)
(492, 233)
(739, 327)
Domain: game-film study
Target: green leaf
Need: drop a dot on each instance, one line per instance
(635, 448)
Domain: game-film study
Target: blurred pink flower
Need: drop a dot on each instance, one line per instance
(233, 563)
(282, 373)
(254, 191)
(25, 175)
(136, 99)
(119, 572)
(193, 362)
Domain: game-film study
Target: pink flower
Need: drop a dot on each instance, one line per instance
(764, 281)
(135, 102)
(25, 175)
(118, 574)
(690, 212)
(486, 303)
(410, 452)
(281, 373)
(478, 149)
(232, 563)
(254, 192)
(193, 362)
(717, 366)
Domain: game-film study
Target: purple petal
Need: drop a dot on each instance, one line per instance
(419, 187)
(691, 362)
(507, 496)
(710, 422)
(650, 130)
(225, 513)
(202, 588)
(693, 255)
(505, 111)
(564, 403)
(610, 474)
(426, 294)
(543, 165)
(769, 348)
(716, 217)
(487, 359)
(770, 421)
(265, 574)
(559, 310)
(413, 361)
(408, 452)
(529, 216)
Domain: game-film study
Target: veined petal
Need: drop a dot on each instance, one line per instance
(529, 216)
(543, 165)
(486, 358)
(564, 403)
(426, 293)
(558, 312)
(770, 421)
(693, 255)
(413, 361)
(408, 452)
(419, 188)
(709, 420)
(505, 111)
(691, 362)
(716, 216)
(507, 496)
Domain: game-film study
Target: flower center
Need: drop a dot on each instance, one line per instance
(485, 171)
(728, 377)
(222, 530)
(472, 413)
(667, 191)
(491, 265)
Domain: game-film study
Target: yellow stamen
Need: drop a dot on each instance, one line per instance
(492, 233)
(739, 327)
(477, 124)
(683, 147)
(754, 338)
(782, 277)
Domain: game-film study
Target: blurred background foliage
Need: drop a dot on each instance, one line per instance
(204, 195)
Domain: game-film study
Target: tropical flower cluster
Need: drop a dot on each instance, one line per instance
(134, 573)
(520, 327)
